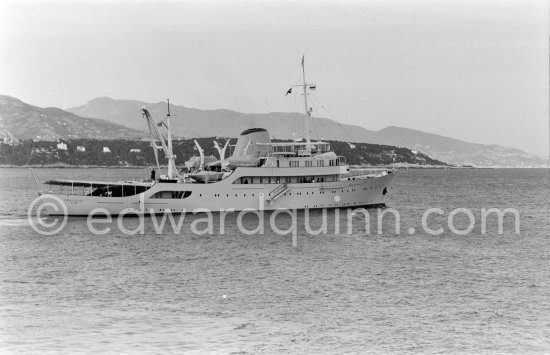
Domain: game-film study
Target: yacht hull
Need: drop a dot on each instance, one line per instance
(225, 196)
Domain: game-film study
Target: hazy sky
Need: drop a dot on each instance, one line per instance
(473, 70)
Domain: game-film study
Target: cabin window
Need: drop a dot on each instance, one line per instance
(284, 179)
(114, 190)
(172, 194)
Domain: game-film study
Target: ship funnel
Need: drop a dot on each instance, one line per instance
(251, 145)
(247, 144)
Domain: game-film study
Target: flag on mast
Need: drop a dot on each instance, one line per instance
(303, 60)
(289, 91)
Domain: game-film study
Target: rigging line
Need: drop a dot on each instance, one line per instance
(293, 125)
(300, 120)
(323, 127)
(314, 129)
(345, 130)
(314, 121)
(339, 124)
(313, 124)
(295, 116)
(319, 118)
(349, 135)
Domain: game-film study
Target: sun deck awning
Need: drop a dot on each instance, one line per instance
(85, 183)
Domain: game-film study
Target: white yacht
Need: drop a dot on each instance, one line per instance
(259, 174)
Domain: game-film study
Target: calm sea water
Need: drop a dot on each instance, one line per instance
(76, 292)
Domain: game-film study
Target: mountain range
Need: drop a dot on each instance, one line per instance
(190, 122)
(19, 120)
(106, 118)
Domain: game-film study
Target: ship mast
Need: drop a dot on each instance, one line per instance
(172, 163)
(306, 110)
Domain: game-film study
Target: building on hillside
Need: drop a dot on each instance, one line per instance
(61, 146)
(351, 145)
(80, 148)
(135, 150)
(106, 150)
(9, 141)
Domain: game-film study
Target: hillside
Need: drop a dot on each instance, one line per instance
(189, 122)
(140, 153)
(455, 151)
(19, 120)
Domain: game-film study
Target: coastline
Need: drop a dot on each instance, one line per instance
(372, 167)
(67, 166)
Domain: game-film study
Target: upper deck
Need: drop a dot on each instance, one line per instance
(296, 148)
